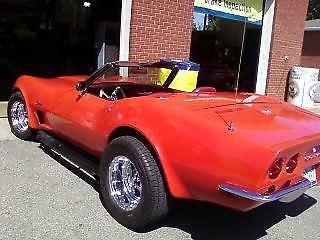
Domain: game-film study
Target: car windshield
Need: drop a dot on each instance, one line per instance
(167, 76)
(145, 75)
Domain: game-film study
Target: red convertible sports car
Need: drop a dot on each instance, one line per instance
(156, 143)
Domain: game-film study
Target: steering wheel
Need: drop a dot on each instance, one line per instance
(117, 91)
(114, 95)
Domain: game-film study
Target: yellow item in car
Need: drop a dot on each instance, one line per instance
(185, 80)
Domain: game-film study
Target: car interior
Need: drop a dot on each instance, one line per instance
(109, 85)
(118, 90)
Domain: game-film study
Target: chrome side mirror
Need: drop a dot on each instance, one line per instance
(80, 86)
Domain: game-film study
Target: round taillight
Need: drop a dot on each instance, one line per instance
(275, 169)
(292, 164)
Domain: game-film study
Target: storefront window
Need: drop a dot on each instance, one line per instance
(216, 45)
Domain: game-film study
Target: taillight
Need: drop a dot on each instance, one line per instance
(292, 164)
(275, 168)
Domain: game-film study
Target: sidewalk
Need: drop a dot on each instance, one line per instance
(3, 109)
(5, 133)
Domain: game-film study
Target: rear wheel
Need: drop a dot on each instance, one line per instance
(131, 184)
(18, 117)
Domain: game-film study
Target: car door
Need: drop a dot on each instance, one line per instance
(82, 120)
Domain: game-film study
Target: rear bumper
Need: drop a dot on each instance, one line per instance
(287, 195)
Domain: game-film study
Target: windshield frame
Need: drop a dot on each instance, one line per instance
(112, 65)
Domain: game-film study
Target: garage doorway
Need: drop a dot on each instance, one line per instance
(55, 37)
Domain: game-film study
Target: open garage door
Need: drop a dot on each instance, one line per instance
(56, 37)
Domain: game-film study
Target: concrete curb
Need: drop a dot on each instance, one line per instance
(3, 109)
(5, 133)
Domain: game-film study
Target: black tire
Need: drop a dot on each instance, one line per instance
(25, 134)
(153, 205)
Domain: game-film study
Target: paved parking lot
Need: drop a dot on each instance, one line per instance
(42, 197)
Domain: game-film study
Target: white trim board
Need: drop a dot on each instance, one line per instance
(265, 46)
(125, 30)
(125, 34)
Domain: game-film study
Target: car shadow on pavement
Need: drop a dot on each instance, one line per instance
(208, 221)
(72, 168)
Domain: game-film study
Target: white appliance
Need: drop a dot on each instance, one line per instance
(304, 87)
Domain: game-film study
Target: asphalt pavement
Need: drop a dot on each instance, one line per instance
(44, 197)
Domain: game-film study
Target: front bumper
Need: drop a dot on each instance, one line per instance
(286, 195)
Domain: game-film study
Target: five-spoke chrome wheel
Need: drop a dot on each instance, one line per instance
(124, 183)
(131, 184)
(19, 116)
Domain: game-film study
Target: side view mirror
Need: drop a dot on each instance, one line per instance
(80, 86)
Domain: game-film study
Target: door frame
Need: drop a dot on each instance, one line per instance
(265, 47)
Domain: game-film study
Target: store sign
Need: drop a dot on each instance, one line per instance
(241, 10)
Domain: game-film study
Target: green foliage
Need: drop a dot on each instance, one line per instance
(313, 10)
(213, 23)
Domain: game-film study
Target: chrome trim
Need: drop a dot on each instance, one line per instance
(312, 153)
(292, 192)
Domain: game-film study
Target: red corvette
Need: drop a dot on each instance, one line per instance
(156, 143)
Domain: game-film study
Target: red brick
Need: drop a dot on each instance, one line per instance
(287, 38)
(160, 29)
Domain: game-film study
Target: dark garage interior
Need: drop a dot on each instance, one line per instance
(54, 37)
(216, 46)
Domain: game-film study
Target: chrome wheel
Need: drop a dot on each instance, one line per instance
(19, 116)
(124, 183)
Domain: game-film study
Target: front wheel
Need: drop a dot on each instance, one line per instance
(18, 117)
(132, 187)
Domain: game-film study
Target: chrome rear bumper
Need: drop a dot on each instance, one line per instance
(286, 195)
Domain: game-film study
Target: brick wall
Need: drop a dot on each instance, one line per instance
(311, 49)
(287, 38)
(160, 29)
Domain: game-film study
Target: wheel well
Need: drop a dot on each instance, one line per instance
(33, 119)
(16, 90)
(128, 131)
